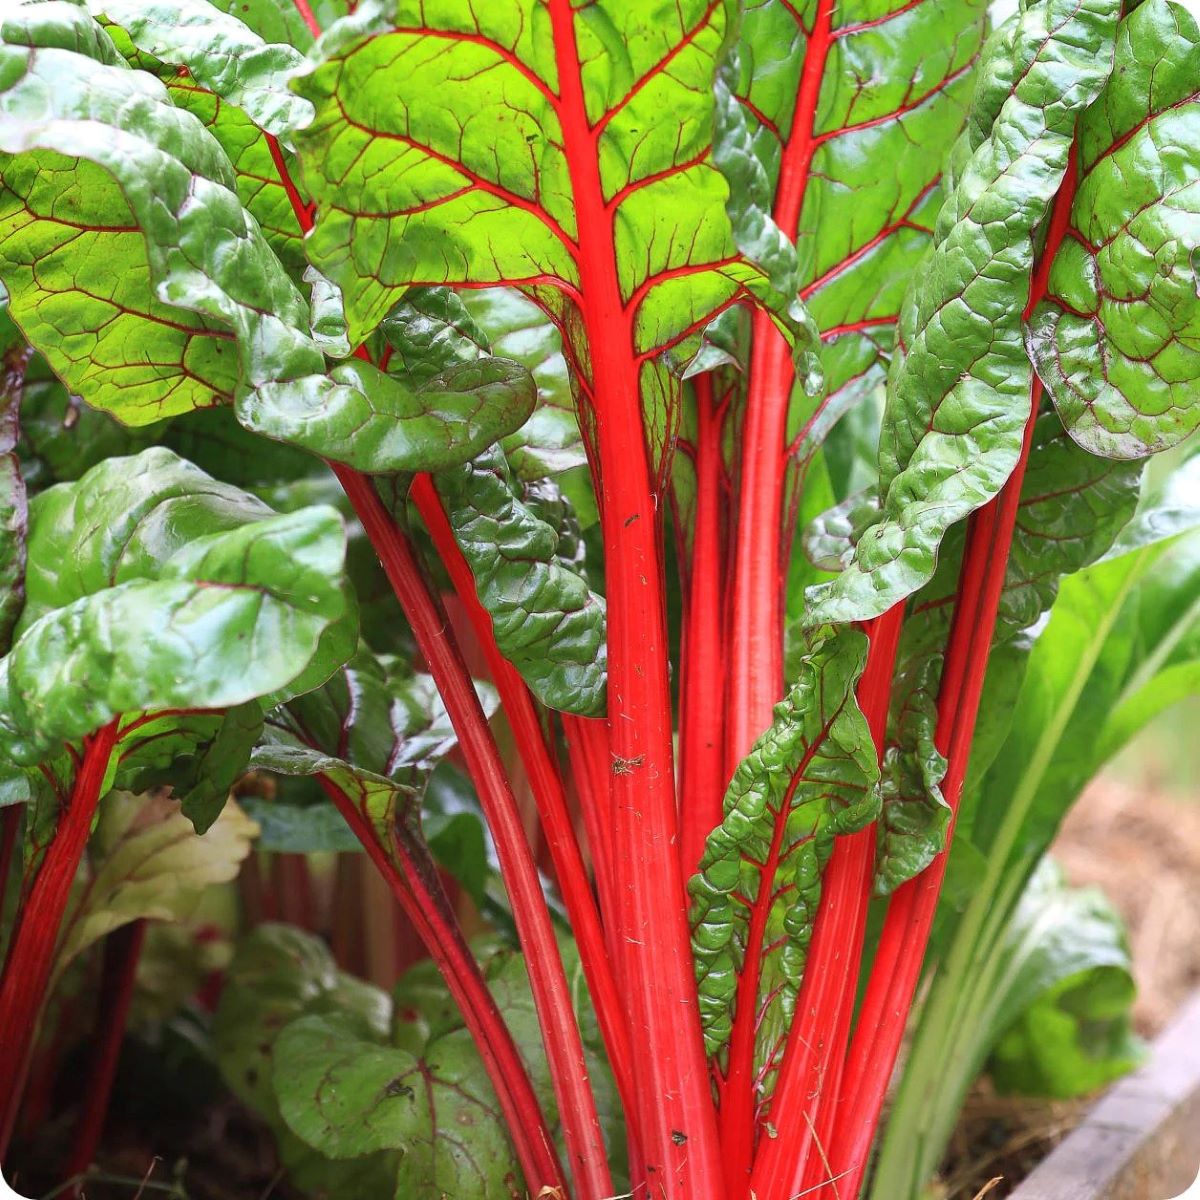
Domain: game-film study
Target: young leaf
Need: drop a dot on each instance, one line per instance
(809, 778)
(1115, 341)
(1060, 1011)
(148, 862)
(545, 618)
(959, 385)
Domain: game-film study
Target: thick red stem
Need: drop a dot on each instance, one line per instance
(31, 951)
(426, 906)
(702, 673)
(676, 1115)
(587, 750)
(548, 793)
(756, 663)
(802, 1106)
(551, 992)
(122, 951)
(909, 920)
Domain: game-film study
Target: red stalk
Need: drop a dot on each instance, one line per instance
(909, 920)
(577, 1109)
(702, 670)
(425, 904)
(756, 667)
(809, 1077)
(676, 1116)
(587, 749)
(548, 793)
(122, 950)
(31, 951)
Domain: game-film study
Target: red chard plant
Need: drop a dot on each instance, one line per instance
(731, 386)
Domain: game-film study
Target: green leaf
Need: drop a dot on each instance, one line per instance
(375, 731)
(809, 778)
(62, 436)
(1115, 341)
(148, 863)
(379, 424)
(960, 383)
(153, 587)
(278, 974)
(1061, 1011)
(131, 260)
(546, 620)
(300, 828)
(282, 20)
(398, 186)
(549, 442)
(221, 54)
(1072, 508)
(347, 1097)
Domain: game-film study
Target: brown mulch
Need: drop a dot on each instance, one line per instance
(1141, 846)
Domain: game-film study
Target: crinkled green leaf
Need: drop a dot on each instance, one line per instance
(1073, 506)
(146, 862)
(430, 331)
(152, 587)
(102, 169)
(960, 382)
(423, 1091)
(1062, 1009)
(829, 541)
(204, 254)
(549, 442)
(546, 619)
(220, 52)
(810, 777)
(377, 423)
(1117, 340)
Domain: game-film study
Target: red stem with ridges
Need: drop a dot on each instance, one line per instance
(756, 659)
(702, 670)
(676, 1115)
(548, 792)
(122, 952)
(909, 920)
(431, 916)
(31, 951)
(551, 993)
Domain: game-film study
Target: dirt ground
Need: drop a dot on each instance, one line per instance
(1141, 845)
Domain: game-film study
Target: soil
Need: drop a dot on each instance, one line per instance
(1141, 846)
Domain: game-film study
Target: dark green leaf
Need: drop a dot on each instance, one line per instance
(545, 618)
(960, 383)
(1115, 341)
(809, 778)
